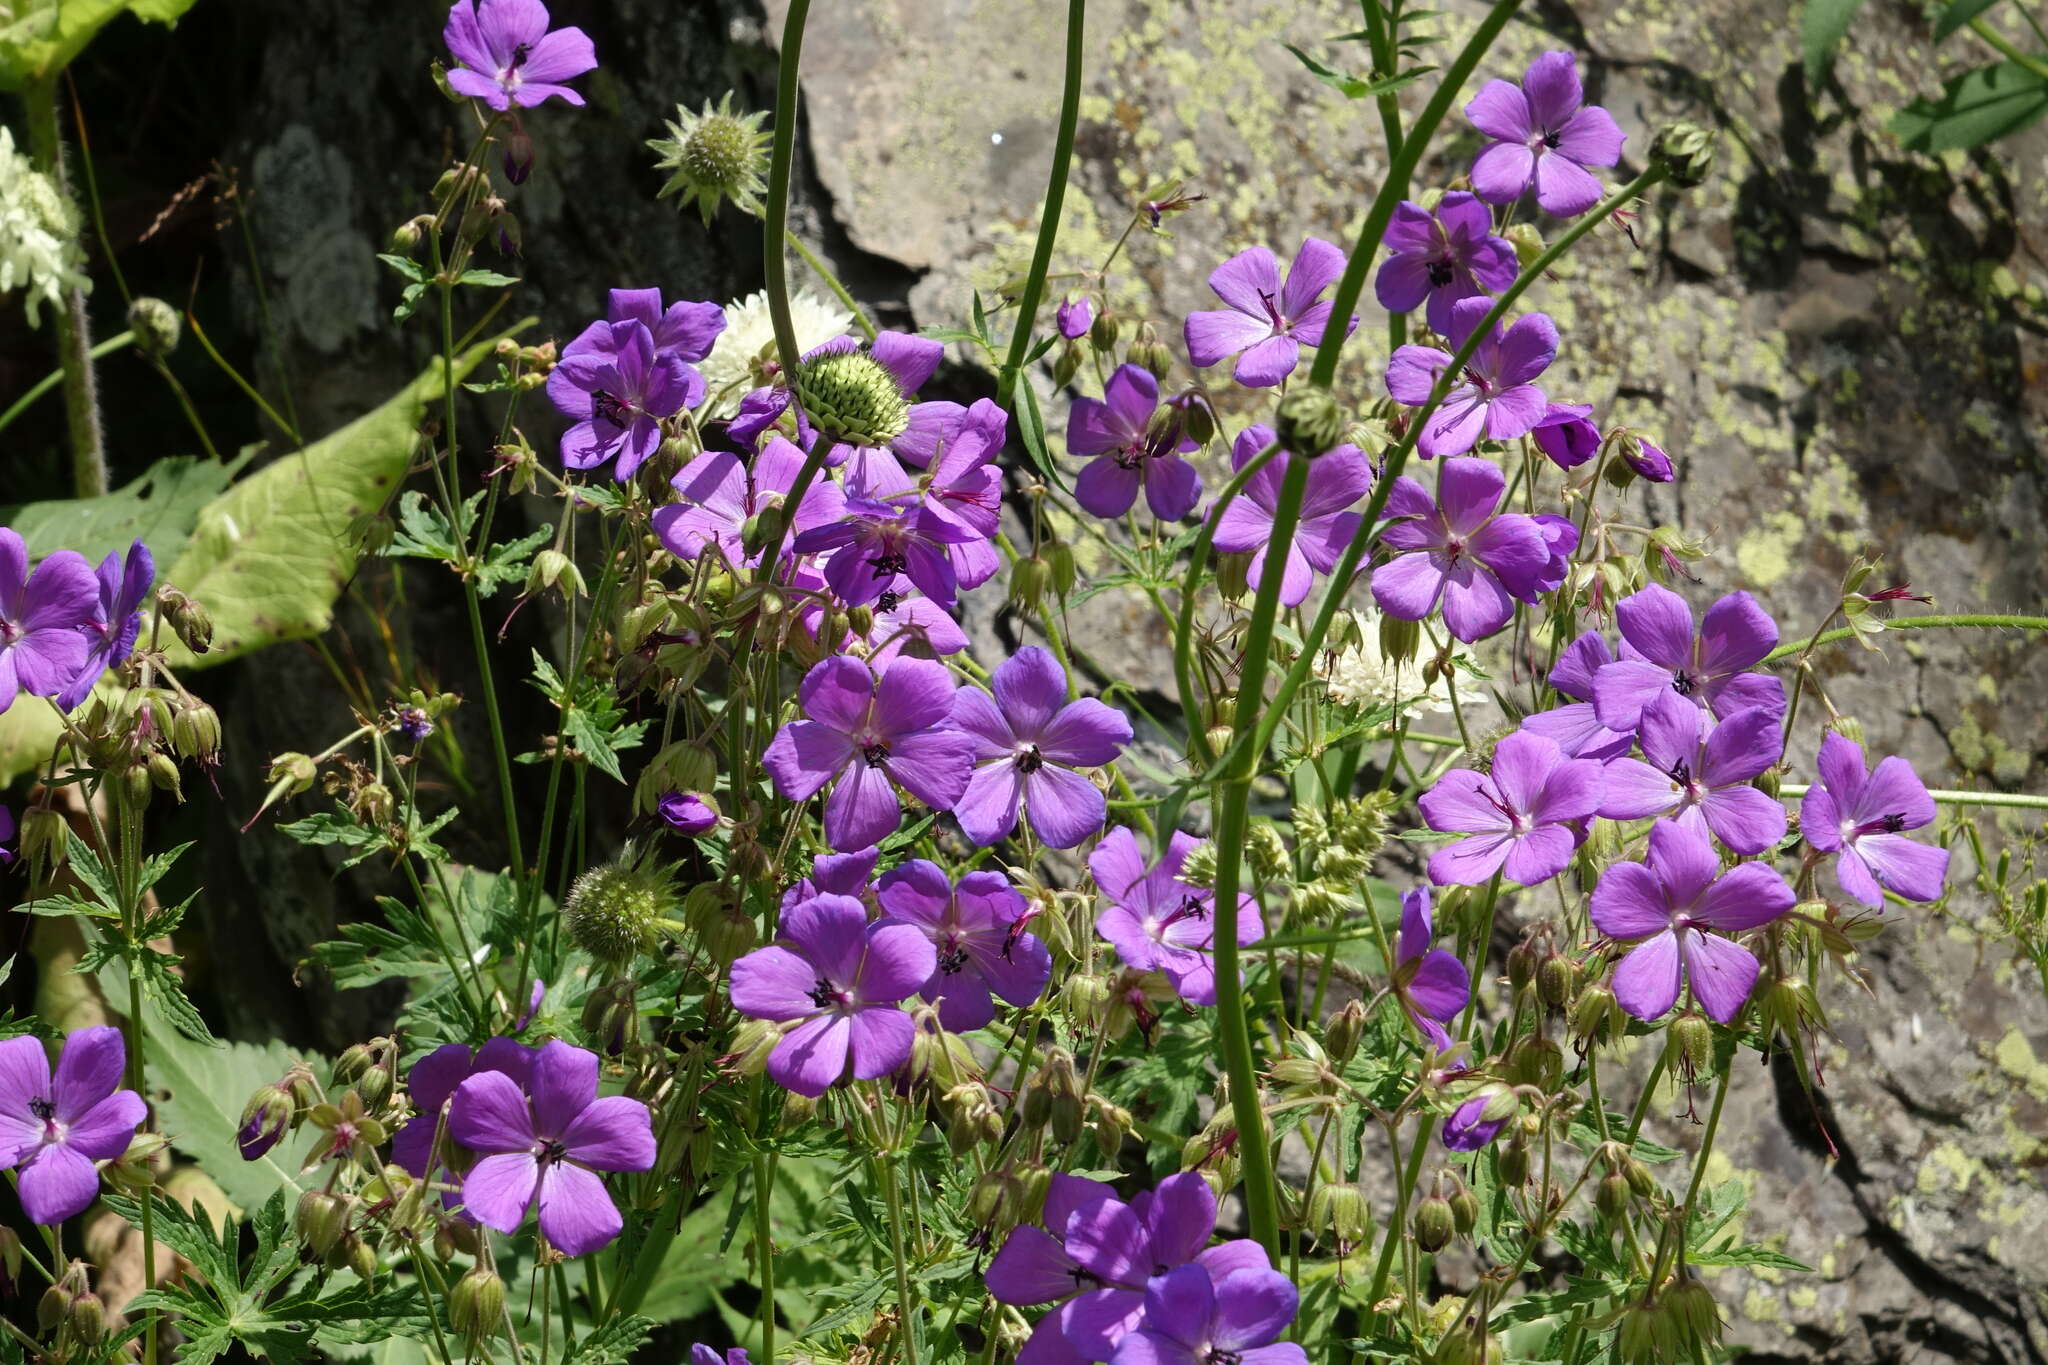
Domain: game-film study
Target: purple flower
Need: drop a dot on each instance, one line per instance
(1670, 901)
(1028, 739)
(721, 494)
(1468, 1129)
(1118, 430)
(541, 1146)
(431, 1084)
(1159, 923)
(1336, 480)
(1075, 316)
(1431, 983)
(44, 618)
(1497, 399)
(415, 724)
(1567, 434)
(700, 1354)
(7, 831)
(875, 541)
(1443, 257)
(1266, 324)
(1661, 654)
(902, 618)
(1574, 727)
(618, 394)
(841, 874)
(1699, 773)
(1647, 460)
(110, 634)
(977, 931)
(1191, 1319)
(683, 329)
(53, 1128)
(508, 56)
(964, 492)
(1863, 817)
(870, 732)
(839, 980)
(1460, 553)
(1542, 138)
(1527, 817)
(687, 813)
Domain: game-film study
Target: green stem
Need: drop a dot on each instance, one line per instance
(1699, 1161)
(1055, 200)
(905, 1305)
(56, 377)
(503, 754)
(1943, 797)
(1991, 621)
(764, 1250)
(2006, 49)
(775, 217)
(839, 291)
(1184, 627)
(1397, 1221)
(74, 328)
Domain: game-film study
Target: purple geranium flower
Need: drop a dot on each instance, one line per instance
(902, 618)
(1527, 816)
(875, 541)
(1431, 983)
(687, 813)
(1670, 901)
(53, 1128)
(1567, 434)
(1076, 314)
(964, 491)
(721, 494)
(1468, 1129)
(541, 1146)
(44, 618)
(1460, 553)
(432, 1083)
(618, 395)
(700, 1354)
(1192, 1319)
(1158, 922)
(1117, 430)
(110, 635)
(1336, 480)
(1028, 739)
(1661, 654)
(1574, 727)
(508, 56)
(977, 931)
(1497, 399)
(1266, 324)
(684, 330)
(1443, 257)
(1647, 459)
(869, 732)
(1699, 773)
(841, 874)
(839, 980)
(1543, 138)
(1863, 818)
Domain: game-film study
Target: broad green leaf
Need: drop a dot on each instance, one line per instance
(1975, 108)
(1959, 13)
(269, 557)
(159, 509)
(207, 1087)
(1822, 26)
(50, 33)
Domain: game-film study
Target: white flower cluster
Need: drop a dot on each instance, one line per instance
(729, 369)
(39, 249)
(1363, 676)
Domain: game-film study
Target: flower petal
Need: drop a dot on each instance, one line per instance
(576, 1213)
(1721, 973)
(1646, 981)
(811, 1057)
(500, 1188)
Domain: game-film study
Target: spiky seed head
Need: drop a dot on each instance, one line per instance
(715, 156)
(851, 397)
(615, 910)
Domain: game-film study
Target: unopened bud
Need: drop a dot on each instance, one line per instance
(1556, 976)
(291, 774)
(1308, 421)
(1514, 1162)
(188, 620)
(476, 1304)
(156, 326)
(1684, 151)
(1434, 1224)
(1066, 365)
(1104, 331)
(1337, 1207)
(1029, 579)
(320, 1221)
(1612, 1198)
(45, 839)
(1597, 1016)
(1527, 242)
(86, 1319)
(1465, 1210)
(1692, 1045)
(1343, 1033)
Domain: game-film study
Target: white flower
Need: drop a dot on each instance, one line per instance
(1362, 676)
(729, 371)
(39, 249)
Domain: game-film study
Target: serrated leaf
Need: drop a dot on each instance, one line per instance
(159, 509)
(201, 1110)
(1822, 26)
(1957, 15)
(613, 1343)
(270, 556)
(1975, 108)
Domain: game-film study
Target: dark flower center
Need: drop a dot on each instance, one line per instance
(1030, 761)
(1684, 684)
(1273, 313)
(1190, 907)
(1452, 549)
(1681, 773)
(1130, 457)
(876, 754)
(825, 995)
(1218, 1356)
(888, 600)
(519, 56)
(1883, 824)
(1508, 813)
(1441, 272)
(952, 960)
(1550, 140)
(1082, 1277)
(612, 409)
(887, 564)
(42, 1108)
(552, 1149)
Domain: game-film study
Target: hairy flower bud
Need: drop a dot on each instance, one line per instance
(1612, 1197)
(1066, 365)
(1150, 354)
(1514, 1162)
(553, 569)
(1337, 1207)
(617, 911)
(45, 840)
(1308, 421)
(1695, 1315)
(1556, 976)
(266, 1118)
(85, 1320)
(1535, 1061)
(1344, 1031)
(1464, 1210)
(1103, 332)
(1527, 240)
(476, 1303)
(155, 324)
(1029, 579)
(291, 774)
(1434, 1224)
(1684, 151)
(1691, 1043)
(320, 1220)
(1597, 1016)
(851, 397)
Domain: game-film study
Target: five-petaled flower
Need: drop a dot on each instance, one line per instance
(1495, 398)
(870, 732)
(1028, 741)
(54, 1127)
(1863, 818)
(721, 494)
(1336, 479)
(839, 981)
(1442, 257)
(44, 619)
(1699, 773)
(618, 395)
(1543, 138)
(509, 57)
(1158, 922)
(1192, 1318)
(1660, 653)
(1527, 816)
(1267, 323)
(1460, 553)
(1573, 726)
(110, 633)
(1432, 984)
(1674, 903)
(977, 930)
(1136, 445)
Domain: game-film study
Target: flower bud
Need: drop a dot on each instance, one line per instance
(1527, 242)
(45, 840)
(54, 1304)
(1233, 574)
(1636, 1341)
(195, 730)
(1536, 1062)
(1104, 331)
(1112, 1124)
(1684, 151)
(1308, 421)
(1597, 1016)
(1465, 1210)
(751, 1045)
(617, 911)
(290, 774)
(476, 1304)
(320, 1220)
(1691, 1044)
(156, 326)
(1150, 354)
(1434, 1224)
(1066, 365)
(405, 238)
(1399, 640)
(1522, 960)
(1514, 1162)
(1612, 1197)
(1344, 1031)
(1075, 315)
(145, 1162)
(1695, 1315)
(1556, 976)
(1339, 1208)
(688, 813)
(1029, 579)
(163, 775)
(553, 569)
(85, 1320)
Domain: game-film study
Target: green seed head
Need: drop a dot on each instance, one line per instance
(714, 156)
(850, 397)
(615, 911)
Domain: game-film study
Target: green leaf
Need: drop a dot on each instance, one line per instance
(207, 1087)
(613, 1343)
(404, 265)
(1355, 87)
(488, 278)
(38, 46)
(1958, 14)
(1822, 25)
(159, 509)
(1975, 108)
(270, 556)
